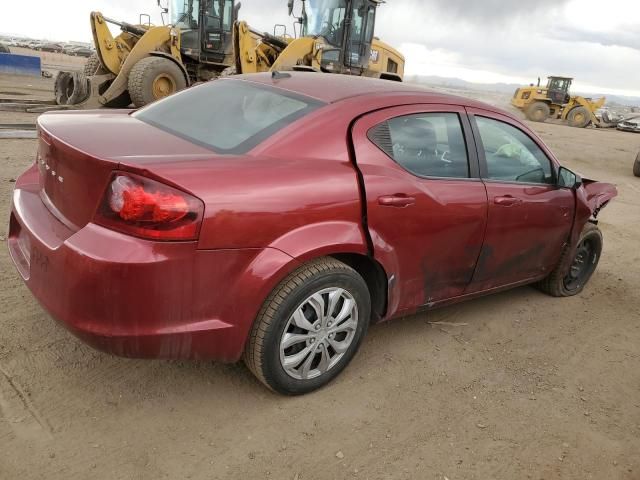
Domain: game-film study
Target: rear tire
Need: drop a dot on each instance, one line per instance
(93, 66)
(153, 78)
(538, 112)
(292, 348)
(636, 166)
(579, 117)
(563, 283)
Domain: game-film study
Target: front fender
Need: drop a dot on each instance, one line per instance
(597, 195)
(591, 198)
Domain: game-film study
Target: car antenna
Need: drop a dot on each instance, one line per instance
(276, 75)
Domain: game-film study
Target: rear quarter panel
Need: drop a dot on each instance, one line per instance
(297, 191)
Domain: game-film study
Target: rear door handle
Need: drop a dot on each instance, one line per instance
(399, 200)
(507, 201)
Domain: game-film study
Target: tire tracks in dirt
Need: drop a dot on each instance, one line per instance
(19, 412)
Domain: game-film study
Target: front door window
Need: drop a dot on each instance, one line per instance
(511, 155)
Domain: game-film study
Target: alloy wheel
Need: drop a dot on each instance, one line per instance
(319, 333)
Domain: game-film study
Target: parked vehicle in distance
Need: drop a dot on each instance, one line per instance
(82, 52)
(630, 125)
(50, 47)
(4, 48)
(77, 50)
(272, 217)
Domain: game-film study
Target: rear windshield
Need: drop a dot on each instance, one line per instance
(227, 116)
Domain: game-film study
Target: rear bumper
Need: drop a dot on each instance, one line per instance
(136, 298)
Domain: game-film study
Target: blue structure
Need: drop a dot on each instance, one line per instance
(20, 64)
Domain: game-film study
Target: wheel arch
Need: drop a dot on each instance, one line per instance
(374, 276)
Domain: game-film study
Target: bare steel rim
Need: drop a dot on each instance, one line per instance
(319, 333)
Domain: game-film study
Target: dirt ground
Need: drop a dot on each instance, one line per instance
(527, 387)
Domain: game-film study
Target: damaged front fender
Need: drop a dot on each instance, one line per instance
(597, 195)
(591, 198)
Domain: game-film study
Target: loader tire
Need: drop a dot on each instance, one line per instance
(579, 117)
(636, 166)
(93, 66)
(153, 78)
(70, 88)
(538, 112)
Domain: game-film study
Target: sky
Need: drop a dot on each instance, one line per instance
(482, 41)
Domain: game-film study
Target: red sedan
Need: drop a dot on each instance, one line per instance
(273, 218)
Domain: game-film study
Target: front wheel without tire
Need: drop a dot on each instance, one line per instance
(153, 78)
(567, 283)
(636, 166)
(309, 328)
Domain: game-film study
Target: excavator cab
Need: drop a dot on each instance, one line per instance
(206, 28)
(558, 89)
(347, 28)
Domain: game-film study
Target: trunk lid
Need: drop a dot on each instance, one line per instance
(78, 151)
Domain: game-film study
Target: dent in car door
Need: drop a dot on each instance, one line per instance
(427, 232)
(530, 218)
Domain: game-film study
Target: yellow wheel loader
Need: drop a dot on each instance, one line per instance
(337, 36)
(205, 40)
(146, 62)
(555, 102)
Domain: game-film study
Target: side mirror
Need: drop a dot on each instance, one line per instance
(290, 5)
(568, 179)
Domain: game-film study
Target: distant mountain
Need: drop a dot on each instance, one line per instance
(507, 88)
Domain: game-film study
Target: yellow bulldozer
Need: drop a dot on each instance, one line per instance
(205, 40)
(555, 102)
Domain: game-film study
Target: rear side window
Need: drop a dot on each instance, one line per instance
(426, 144)
(227, 116)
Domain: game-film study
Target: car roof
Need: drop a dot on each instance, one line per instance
(333, 88)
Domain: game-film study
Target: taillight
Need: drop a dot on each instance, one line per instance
(145, 208)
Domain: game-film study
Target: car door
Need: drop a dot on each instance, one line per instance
(426, 206)
(530, 217)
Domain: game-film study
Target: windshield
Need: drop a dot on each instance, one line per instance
(325, 18)
(561, 84)
(184, 13)
(227, 116)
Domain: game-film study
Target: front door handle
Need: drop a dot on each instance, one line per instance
(399, 200)
(507, 201)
